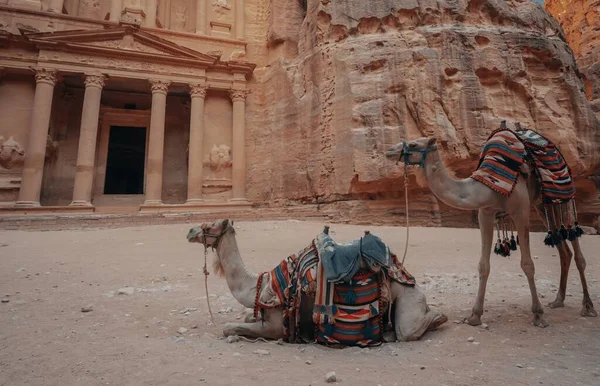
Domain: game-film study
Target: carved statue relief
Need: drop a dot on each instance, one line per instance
(12, 154)
(219, 158)
(89, 9)
(134, 4)
(179, 15)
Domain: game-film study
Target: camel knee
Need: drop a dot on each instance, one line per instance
(580, 262)
(484, 269)
(528, 267)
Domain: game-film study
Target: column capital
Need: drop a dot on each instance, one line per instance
(44, 75)
(198, 90)
(94, 80)
(159, 86)
(238, 95)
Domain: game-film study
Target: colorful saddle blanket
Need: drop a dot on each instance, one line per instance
(302, 275)
(505, 151)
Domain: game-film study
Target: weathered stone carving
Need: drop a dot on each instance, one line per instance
(238, 95)
(44, 75)
(198, 90)
(89, 9)
(221, 7)
(179, 17)
(94, 81)
(51, 148)
(161, 86)
(12, 154)
(238, 56)
(219, 158)
(4, 25)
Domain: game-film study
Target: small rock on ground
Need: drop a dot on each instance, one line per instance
(182, 330)
(470, 339)
(5, 300)
(126, 291)
(262, 352)
(87, 309)
(232, 339)
(330, 377)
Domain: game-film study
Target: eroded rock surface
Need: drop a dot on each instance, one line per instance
(360, 76)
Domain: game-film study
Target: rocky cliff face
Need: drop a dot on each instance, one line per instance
(580, 20)
(347, 79)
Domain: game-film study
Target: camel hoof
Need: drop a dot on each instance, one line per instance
(588, 310)
(389, 336)
(473, 320)
(556, 304)
(539, 321)
(437, 321)
(229, 330)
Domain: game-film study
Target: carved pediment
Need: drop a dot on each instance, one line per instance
(118, 41)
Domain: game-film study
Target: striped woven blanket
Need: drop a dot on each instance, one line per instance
(505, 151)
(500, 160)
(302, 274)
(558, 186)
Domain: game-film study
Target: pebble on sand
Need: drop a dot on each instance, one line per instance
(126, 291)
(330, 377)
(470, 339)
(88, 308)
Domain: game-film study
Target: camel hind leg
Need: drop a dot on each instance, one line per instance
(565, 262)
(268, 329)
(412, 316)
(588, 306)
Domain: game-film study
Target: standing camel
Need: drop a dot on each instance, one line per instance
(412, 317)
(469, 194)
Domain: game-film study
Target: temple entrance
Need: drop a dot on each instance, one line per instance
(125, 160)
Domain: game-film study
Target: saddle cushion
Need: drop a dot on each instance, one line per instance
(356, 317)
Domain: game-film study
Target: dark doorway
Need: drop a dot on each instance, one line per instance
(125, 160)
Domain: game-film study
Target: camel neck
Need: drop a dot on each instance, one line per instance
(457, 193)
(241, 283)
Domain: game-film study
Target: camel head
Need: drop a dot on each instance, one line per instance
(210, 236)
(412, 152)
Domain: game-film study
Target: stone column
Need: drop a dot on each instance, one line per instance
(156, 144)
(196, 148)
(33, 169)
(239, 19)
(55, 6)
(86, 153)
(201, 17)
(150, 21)
(116, 8)
(239, 144)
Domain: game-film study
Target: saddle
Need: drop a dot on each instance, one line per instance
(342, 261)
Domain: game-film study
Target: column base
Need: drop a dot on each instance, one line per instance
(194, 201)
(81, 203)
(152, 203)
(239, 201)
(27, 204)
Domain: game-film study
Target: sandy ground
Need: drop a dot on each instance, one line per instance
(45, 338)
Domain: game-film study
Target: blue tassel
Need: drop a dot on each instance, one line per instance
(373, 311)
(329, 329)
(350, 298)
(368, 330)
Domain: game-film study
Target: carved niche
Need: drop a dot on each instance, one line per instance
(180, 11)
(12, 154)
(90, 9)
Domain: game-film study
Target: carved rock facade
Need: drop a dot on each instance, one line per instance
(369, 74)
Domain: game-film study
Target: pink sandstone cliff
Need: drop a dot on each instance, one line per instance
(343, 80)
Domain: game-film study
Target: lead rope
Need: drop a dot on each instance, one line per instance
(206, 273)
(406, 210)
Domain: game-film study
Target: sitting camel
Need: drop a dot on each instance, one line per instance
(412, 316)
(469, 194)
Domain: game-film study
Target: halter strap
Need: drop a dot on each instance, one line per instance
(407, 151)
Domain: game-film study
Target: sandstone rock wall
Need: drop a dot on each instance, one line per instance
(357, 76)
(580, 20)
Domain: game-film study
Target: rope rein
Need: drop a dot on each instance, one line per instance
(206, 273)
(406, 209)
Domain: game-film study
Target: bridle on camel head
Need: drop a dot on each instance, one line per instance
(407, 151)
(214, 245)
(217, 238)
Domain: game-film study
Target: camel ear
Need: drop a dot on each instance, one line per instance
(231, 222)
(225, 222)
(431, 142)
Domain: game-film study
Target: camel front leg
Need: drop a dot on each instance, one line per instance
(565, 262)
(270, 328)
(412, 317)
(486, 228)
(588, 306)
(522, 221)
